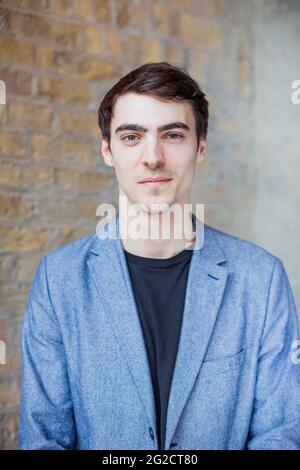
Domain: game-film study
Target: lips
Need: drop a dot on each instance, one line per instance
(155, 180)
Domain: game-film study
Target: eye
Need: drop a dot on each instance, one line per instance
(128, 138)
(175, 136)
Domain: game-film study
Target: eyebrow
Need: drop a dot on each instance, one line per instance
(139, 128)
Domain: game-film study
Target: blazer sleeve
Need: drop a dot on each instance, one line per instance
(275, 420)
(46, 412)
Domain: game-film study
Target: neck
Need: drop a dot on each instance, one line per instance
(157, 235)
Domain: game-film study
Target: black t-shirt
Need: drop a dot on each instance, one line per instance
(159, 287)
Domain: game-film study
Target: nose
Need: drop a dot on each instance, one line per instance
(153, 156)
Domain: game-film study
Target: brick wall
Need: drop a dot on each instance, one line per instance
(57, 58)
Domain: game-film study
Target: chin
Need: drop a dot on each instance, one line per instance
(158, 207)
(152, 205)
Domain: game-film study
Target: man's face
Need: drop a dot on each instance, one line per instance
(152, 138)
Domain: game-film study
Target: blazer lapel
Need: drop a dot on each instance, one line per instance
(205, 288)
(109, 271)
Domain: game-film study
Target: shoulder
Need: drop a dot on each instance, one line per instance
(69, 256)
(75, 247)
(240, 252)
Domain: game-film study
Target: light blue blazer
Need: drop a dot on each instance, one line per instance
(86, 381)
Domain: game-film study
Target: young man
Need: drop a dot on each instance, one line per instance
(152, 343)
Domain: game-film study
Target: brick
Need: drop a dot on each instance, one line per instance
(30, 177)
(25, 267)
(15, 325)
(3, 325)
(93, 69)
(44, 57)
(39, 146)
(208, 8)
(65, 34)
(196, 31)
(64, 235)
(198, 63)
(23, 239)
(174, 54)
(182, 3)
(134, 49)
(75, 151)
(6, 266)
(15, 207)
(174, 26)
(152, 51)
(63, 149)
(29, 4)
(9, 430)
(115, 44)
(64, 90)
(76, 180)
(29, 114)
(80, 123)
(13, 304)
(3, 113)
(134, 15)
(92, 40)
(10, 175)
(66, 63)
(34, 26)
(16, 52)
(161, 15)
(9, 393)
(60, 7)
(27, 24)
(65, 210)
(85, 68)
(123, 13)
(83, 10)
(17, 82)
(13, 366)
(12, 143)
(93, 181)
(102, 10)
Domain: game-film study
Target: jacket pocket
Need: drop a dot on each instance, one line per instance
(222, 364)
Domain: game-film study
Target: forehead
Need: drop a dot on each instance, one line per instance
(150, 111)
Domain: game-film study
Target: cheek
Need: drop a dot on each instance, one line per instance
(183, 163)
(126, 158)
(185, 171)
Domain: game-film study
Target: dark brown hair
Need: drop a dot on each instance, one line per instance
(163, 81)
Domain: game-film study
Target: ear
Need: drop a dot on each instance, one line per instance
(201, 150)
(108, 159)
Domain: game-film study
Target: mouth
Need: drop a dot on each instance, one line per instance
(155, 181)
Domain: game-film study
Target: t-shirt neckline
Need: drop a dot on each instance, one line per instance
(157, 262)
